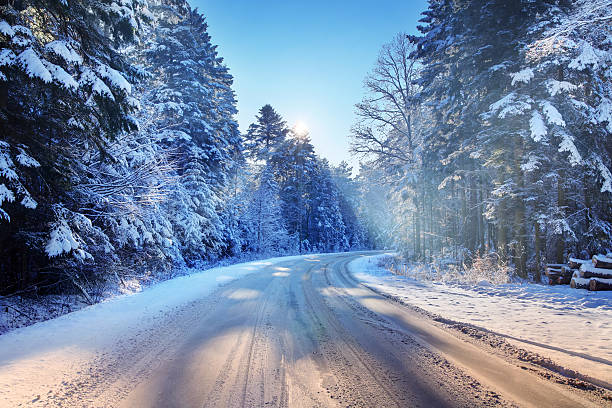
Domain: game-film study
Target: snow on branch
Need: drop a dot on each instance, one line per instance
(65, 51)
(586, 13)
(524, 76)
(588, 57)
(606, 176)
(510, 105)
(537, 127)
(61, 240)
(88, 77)
(604, 113)
(555, 87)
(33, 66)
(552, 114)
(567, 145)
(115, 78)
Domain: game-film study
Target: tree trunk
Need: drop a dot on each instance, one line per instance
(538, 253)
(417, 233)
(560, 248)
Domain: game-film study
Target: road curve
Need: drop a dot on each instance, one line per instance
(306, 334)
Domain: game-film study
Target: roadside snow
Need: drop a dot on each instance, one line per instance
(58, 349)
(571, 327)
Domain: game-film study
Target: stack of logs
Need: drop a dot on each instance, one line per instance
(592, 274)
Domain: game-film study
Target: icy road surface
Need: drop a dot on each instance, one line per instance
(297, 332)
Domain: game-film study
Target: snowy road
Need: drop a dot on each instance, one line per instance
(300, 332)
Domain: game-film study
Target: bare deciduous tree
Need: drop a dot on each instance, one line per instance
(384, 131)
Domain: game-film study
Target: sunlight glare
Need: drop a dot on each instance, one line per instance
(300, 128)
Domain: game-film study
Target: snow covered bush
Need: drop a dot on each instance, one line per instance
(488, 268)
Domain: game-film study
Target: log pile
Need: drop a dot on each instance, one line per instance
(558, 274)
(594, 274)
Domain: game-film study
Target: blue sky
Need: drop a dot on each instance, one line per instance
(307, 59)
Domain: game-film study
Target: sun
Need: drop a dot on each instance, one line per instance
(300, 128)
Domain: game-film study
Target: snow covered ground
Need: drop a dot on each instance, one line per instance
(571, 327)
(56, 350)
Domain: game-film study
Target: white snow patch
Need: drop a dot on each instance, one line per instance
(29, 202)
(555, 87)
(72, 122)
(65, 51)
(606, 175)
(61, 76)
(6, 29)
(604, 113)
(552, 114)
(533, 163)
(61, 241)
(567, 145)
(6, 194)
(19, 29)
(510, 104)
(537, 127)
(524, 76)
(88, 77)
(115, 78)
(553, 317)
(7, 167)
(587, 57)
(26, 160)
(33, 66)
(7, 57)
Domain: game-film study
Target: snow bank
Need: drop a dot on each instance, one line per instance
(571, 327)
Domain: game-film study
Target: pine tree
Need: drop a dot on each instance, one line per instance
(349, 201)
(188, 110)
(65, 94)
(265, 232)
(266, 134)
(325, 225)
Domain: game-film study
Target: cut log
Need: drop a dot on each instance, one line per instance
(564, 280)
(575, 263)
(555, 266)
(589, 271)
(554, 279)
(566, 271)
(550, 272)
(562, 270)
(603, 262)
(600, 284)
(580, 283)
